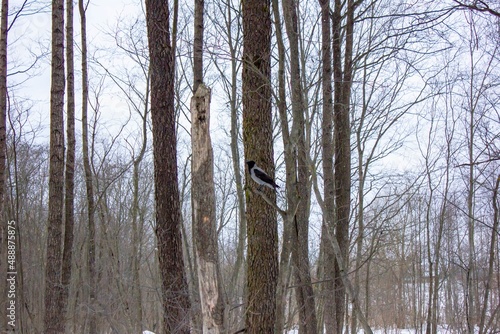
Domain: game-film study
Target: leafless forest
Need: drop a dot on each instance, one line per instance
(126, 204)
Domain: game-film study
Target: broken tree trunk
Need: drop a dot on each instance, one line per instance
(204, 219)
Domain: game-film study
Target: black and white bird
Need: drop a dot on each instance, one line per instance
(259, 176)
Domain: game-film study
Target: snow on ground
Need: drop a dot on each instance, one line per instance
(440, 330)
(147, 332)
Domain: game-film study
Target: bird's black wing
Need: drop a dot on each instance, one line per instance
(264, 177)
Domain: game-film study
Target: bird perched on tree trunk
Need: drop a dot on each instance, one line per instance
(259, 176)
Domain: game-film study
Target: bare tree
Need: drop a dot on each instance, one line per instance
(484, 6)
(168, 215)
(91, 243)
(199, 6)
(69, 204)
(52, 320)
(327, 291)
(204, 222)
(342, 77)
(300, 237)
(262, 233)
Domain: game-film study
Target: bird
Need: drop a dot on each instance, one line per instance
(259, 176)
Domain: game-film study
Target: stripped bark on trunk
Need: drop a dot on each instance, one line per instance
(204, 213)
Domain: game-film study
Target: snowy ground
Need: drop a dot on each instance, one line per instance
(441, 330)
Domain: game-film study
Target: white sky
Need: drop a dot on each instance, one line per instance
(31, 34)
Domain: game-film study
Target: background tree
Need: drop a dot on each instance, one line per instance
(91, 243)
(69, 191)
(342, 78)
(52, 320)
(300, 196)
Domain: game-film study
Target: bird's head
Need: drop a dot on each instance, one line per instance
(250, 164)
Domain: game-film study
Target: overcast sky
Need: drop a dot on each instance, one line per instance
(30, 36)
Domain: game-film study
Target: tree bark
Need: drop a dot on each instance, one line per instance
(168, 215)
(198, 44)
(342, 74)
(91, 243)
(204, 213)
(328, 178)
(285, 258)
(491, 259)
(262, 232)
(300, 237)
(69, 205)
(56, 174)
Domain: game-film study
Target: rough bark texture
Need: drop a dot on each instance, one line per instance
(168, 214)
(204, 212)
(328, 179)
(198, 44)
(342, 74)
(300, 237)
(262, 234)
(91, 265)
(56, 173)
(288, 228)
(70, 168)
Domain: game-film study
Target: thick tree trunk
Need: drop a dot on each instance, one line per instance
(204, 213)
(168, 212)
(262, 231)
(56, 174)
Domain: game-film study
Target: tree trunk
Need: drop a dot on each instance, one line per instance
(491, 259)
(198, 44)
(300, 239)
(262, 231)
(204, 213)
(91, 248)
(56, 174)
(238, 269)
(137, 226)
(328, 178)
(342, 92)
(168, 212)
(285, 259)
(70, 168)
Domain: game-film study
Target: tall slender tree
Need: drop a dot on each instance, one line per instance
(56, 174)
(328, 178)
(69, 202)
(199, 6)
(262, 233)
(301, 194)
(342, 77)
(91, 242)
(168, 214)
